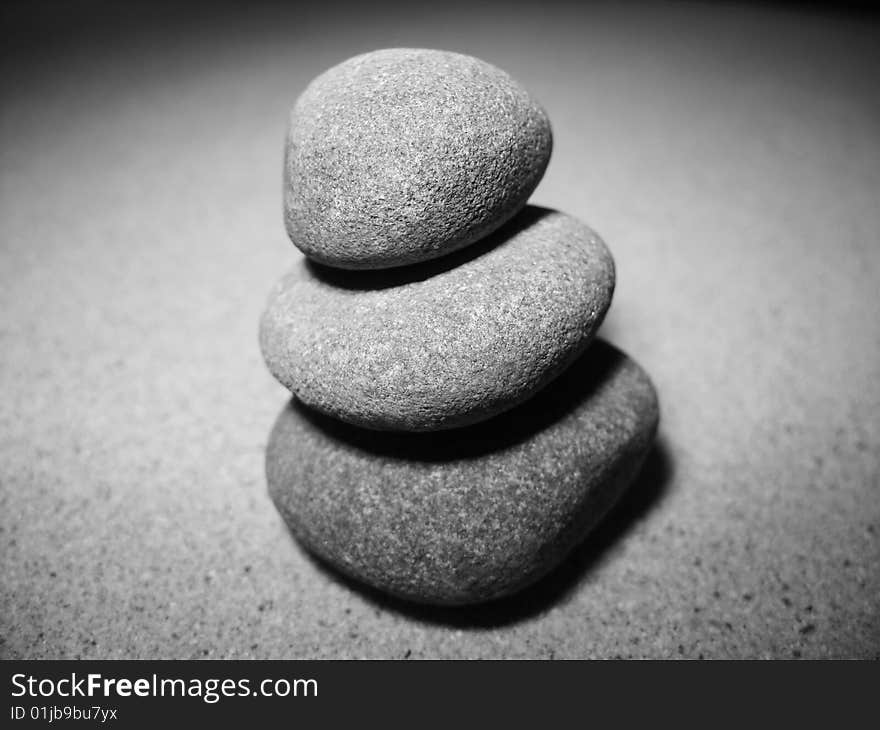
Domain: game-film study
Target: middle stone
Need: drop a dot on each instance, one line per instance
(446, 343)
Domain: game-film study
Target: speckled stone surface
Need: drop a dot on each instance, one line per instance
(402, 155)
(474, 513)
(446, 343)
(728, 152)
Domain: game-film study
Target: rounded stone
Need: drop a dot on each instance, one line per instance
(403, 155)
(445, 343)
(473, 514)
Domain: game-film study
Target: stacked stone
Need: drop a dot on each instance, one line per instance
(452, 435)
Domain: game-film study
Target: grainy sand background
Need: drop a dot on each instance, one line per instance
(730, 156)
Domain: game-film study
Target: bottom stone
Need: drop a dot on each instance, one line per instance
(472, 514)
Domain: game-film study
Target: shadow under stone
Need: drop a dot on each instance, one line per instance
(554, 402)
(373, 279)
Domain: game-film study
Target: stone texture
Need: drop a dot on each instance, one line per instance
(446, 343)
(403, 155)
(470, 514)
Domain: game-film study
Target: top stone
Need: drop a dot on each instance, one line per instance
(403, 155)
